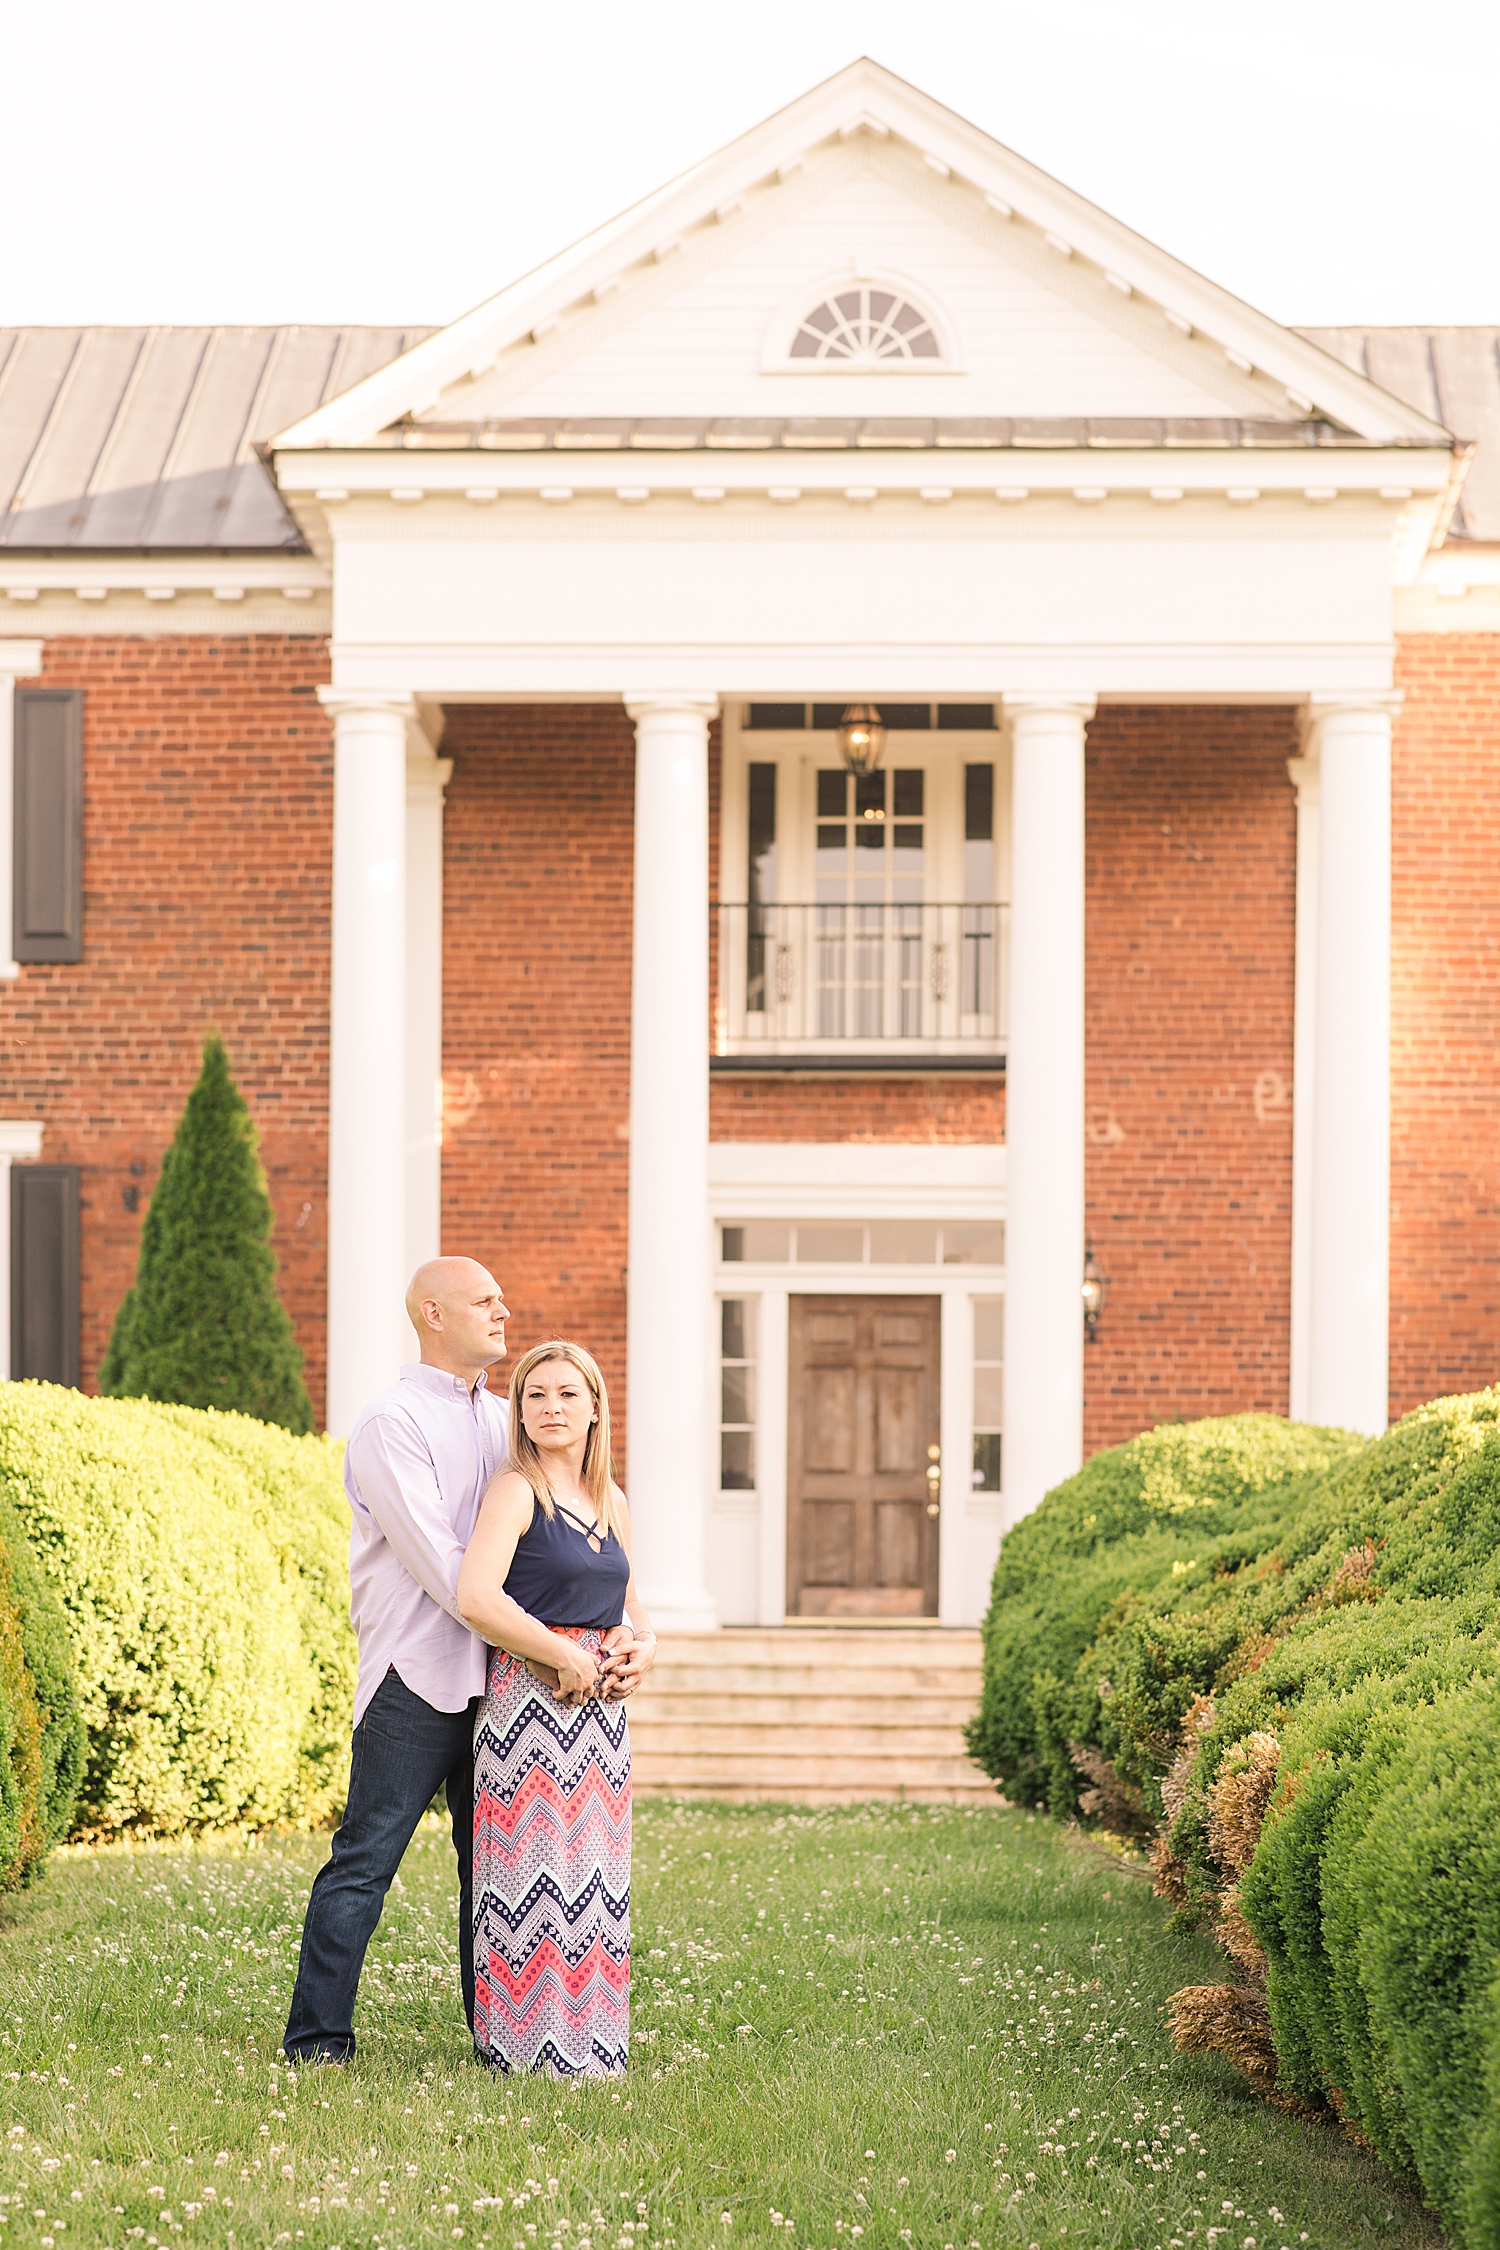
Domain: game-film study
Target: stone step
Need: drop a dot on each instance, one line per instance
(808, 1796)
(812, 1645)
(817, 1686)
(775, 1717)
(788, 1773)
(811, 1714)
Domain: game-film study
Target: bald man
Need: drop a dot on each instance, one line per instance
(416, 1467)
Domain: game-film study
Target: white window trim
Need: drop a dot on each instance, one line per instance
(848, 1180)
(776, 347)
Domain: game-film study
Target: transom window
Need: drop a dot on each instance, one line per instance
(875, 1242)
(866, 325)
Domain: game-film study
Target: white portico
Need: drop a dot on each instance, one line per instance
(862, 407)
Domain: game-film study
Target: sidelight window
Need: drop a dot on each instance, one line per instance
(737, 1394)
(989, 1373)
(977, 966)
(760, 889)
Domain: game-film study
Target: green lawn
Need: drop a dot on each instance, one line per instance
(867, 2027)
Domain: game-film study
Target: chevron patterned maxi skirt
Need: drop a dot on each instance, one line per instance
(551, 1876)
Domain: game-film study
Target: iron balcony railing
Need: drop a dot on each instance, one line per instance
(845, 979)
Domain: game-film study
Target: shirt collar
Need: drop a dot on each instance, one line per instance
(443, 1385)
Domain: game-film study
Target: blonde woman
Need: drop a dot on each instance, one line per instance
(546, 1579)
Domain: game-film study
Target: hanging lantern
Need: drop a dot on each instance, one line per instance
(861, 738)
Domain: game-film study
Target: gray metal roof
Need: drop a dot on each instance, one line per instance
(1452, 374)
(145, 438)
(131, 438)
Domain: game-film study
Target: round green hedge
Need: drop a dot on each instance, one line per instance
(200, 1561)
(1140, 1527)
(41, 1725)
(1234, 1592)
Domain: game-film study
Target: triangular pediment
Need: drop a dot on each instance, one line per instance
(863, 195)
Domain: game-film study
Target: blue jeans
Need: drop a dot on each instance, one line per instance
(404, 1752)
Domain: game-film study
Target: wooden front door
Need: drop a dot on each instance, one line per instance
(862, 1436)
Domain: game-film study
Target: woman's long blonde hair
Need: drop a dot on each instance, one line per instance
(524, 1457)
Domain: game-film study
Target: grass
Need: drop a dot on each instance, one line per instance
(853, 2030)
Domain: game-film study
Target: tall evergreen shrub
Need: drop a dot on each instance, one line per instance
(203, 1325)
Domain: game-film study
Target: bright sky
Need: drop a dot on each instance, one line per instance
(363, 160)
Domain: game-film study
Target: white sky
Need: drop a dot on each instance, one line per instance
(358, 160)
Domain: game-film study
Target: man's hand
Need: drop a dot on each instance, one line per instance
(624, 1661)
(579, 1678)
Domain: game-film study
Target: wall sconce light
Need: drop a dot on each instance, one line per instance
(1095, 1290)
(861, 738)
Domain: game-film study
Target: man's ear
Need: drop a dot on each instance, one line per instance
(432, 1312)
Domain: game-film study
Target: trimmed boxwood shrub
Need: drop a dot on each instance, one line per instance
(1411, 1917)
(199, 1559)
(41, 1727)
(1081, 1586)
(1297, 1684)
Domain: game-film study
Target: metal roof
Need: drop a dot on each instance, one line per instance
(1452, 374)
(145, 438)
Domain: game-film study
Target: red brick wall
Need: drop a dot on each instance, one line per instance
(206, 905)
(856, 1109)
(207, 831)
(1445, 1019)
(1191, 897)
(536, 1014)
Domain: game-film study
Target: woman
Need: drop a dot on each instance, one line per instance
(547, 1580)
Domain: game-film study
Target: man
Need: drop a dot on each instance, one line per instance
(415, 1471)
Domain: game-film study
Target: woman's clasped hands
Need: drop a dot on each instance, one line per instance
(579, 1677)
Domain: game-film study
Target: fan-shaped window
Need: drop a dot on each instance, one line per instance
(868, 326)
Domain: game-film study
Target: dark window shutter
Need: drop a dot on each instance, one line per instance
(49, 824)
(44, 1313)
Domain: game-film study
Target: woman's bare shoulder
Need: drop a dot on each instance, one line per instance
(509, 1494)
(620, 1502)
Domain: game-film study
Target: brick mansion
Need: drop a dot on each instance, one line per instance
(857, 767)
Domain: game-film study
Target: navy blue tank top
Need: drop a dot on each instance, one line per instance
(557, 1577)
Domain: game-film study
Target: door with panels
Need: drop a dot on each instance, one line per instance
(863, 1456)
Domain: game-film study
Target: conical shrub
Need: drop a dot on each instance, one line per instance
(203, 1325)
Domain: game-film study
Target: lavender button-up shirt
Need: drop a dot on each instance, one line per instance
(418, 1460)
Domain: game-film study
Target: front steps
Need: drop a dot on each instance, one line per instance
(811, 1715)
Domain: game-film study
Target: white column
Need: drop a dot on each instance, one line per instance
(1304, 773)
(20, 1138)
(667, 1320)
(1349, 1284)
(367, 1269)
(1044, 1240)
(426, 779)
(18, 660)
